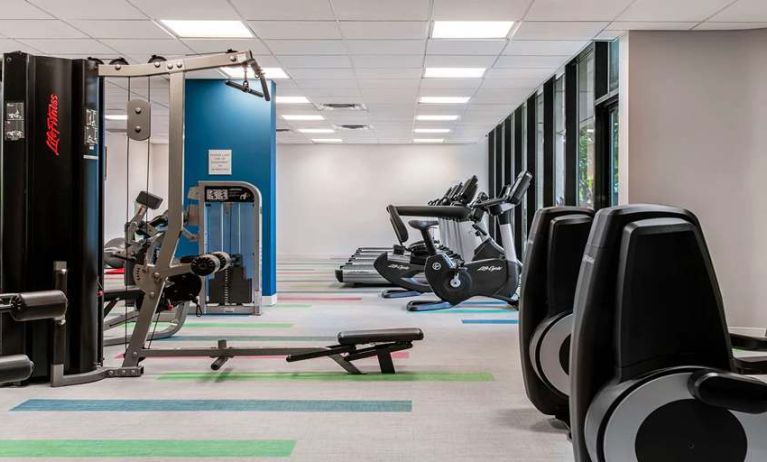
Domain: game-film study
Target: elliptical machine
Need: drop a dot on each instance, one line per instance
(455, 281)
(553, 255)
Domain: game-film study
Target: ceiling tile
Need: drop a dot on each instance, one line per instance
(558, 30)
(315, 61)
(743, 11)
(609, 34)
(459, 61)
(544, 47)
(7, 46)
(216, 45)
(647, 25)
(386, 47)
(296, 29)
(384, 29)
(314, 83)
(89, 9)
(147, 47)
(377, 10)
(430, 91)
(677, 10)
(33, 28)
(20, 9)
(532, 62)
(187, 9)
(306, 10)
(72, 46)
(488, 10)
(322, 73)
(387, 62)
(540, 74)
(731, 25)
(306, 47)
(465, 47)
(515, 82)
(581, 10)
(451, 83)
(120, 29)
(393, 73)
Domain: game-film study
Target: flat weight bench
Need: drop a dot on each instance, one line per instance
(359, 344)
(15, 368)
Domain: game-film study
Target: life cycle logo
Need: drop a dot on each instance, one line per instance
(399, 267)
(436, 266)
(489, 268)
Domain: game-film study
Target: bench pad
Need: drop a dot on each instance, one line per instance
(359, 337)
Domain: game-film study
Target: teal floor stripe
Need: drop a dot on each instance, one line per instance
(249, 338)
(490, 321)
(210, 405)
(155, 449)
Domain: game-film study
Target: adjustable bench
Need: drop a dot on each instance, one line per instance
(358, 344)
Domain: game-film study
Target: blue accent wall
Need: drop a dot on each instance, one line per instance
(220, 117)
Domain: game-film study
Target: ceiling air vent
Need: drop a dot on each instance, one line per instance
(353, 127)
(342, 107)
(283, 130)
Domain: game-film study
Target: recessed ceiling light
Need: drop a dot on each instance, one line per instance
(432, 130)
(444, 99)
(116, 116)
(302, 117)
(207, 29)
(316, 130)
(292, 100)
(436, 117)
(428, 140)
(269, 72)
(471, 29)
(327, 140)
(454, 72)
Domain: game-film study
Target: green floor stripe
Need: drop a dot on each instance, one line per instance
(330, 376)
(234, 325)
(216, 449)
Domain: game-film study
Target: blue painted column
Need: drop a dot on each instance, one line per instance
(221, 117)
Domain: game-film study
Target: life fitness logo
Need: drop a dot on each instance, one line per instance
(52, 134)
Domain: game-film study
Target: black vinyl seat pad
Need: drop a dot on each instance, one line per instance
(359, 337)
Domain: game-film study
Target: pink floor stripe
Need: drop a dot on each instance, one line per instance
(318, 299)
(395, 355)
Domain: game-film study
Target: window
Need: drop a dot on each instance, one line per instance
(559, 141)
(613, 64)
(538, 169)
(585, 168)
(614, 173)
(523, 166)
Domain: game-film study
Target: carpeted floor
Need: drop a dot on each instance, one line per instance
(459, 395)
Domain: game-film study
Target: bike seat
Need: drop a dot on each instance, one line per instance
(423, 225)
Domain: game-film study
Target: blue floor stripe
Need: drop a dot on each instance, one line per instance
(249, 338)
(490, 321)
(210, 405)
(484, 302)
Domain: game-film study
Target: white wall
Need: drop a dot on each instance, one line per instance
(120, 175)
(331, 199)
(697, 115)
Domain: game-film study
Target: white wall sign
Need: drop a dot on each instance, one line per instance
(219, 162)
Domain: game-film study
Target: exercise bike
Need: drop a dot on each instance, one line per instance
(406, 270)
(455, 281)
